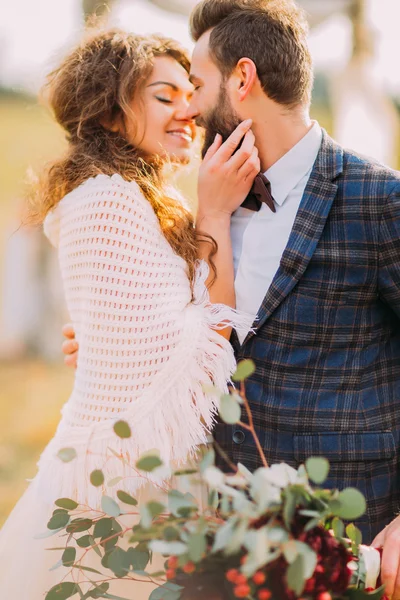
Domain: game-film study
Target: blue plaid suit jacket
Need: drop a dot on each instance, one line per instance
(327, 340)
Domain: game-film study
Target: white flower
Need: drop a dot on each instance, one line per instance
(372, 564)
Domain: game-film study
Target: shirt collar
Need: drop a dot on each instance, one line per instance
(286, 173)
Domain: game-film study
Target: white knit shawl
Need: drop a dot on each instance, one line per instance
(148, 351)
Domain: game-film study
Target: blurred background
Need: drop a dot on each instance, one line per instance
(355, 45)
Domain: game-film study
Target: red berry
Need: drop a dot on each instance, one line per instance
(264, 594)
(241, 579)
(173, 562)
(231, 575)
(259, 578)
(190, 567)
(324, 596)
(242, 591)
(310, 585)
(170, 574)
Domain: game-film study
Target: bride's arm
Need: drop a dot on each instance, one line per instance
(225, 179)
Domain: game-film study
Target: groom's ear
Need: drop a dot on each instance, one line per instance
(246, 77)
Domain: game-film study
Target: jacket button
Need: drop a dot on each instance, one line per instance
(238, 436)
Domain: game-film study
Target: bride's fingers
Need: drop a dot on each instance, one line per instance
(68, 331)
(69, 347)
(214, 147)
(230, 145)
(71, 360)
(243, 154)
(251, 167)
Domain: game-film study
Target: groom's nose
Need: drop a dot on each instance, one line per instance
(192, 110)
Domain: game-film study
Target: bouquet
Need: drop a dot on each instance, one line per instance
(274, 534)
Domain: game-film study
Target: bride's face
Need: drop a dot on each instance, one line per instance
(161, 125)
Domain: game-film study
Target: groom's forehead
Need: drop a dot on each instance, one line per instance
(201, 60)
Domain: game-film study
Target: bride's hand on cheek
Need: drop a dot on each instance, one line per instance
(227, 174)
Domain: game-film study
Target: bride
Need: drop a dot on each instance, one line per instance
(151, 337)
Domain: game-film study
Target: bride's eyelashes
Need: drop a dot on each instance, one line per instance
(165, 100)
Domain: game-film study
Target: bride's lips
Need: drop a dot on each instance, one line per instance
(185, 134)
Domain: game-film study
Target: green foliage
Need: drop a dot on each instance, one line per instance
(122, 429)
(110, 507)
(317, 469)
(66, 503)
(126, 498)
(149, 462)
(350, 504)
(229, 409)
(263, 517)
(97, 478)
(62, 591)
(244, 369)
(67, 454)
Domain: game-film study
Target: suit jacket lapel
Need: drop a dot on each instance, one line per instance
(307, 228)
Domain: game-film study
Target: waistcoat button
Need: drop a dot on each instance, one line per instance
(238, 436)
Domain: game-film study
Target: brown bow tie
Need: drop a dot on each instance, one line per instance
(259, 193)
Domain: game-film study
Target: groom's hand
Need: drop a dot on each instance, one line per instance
(389, 540)
(70, 347)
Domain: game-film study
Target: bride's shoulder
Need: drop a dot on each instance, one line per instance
(103, 186)
(100, 198)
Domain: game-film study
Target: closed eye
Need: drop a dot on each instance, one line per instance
(165, 100)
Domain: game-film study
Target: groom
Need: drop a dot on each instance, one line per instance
(321, 271)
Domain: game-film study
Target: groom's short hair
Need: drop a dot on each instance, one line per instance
(273, 33)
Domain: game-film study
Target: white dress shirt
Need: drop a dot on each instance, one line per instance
(259, 238)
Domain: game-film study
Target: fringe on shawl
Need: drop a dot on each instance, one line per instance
(176, 423)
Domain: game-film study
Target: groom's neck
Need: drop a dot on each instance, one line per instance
(278, 130)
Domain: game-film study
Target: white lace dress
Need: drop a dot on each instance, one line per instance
(149, 350)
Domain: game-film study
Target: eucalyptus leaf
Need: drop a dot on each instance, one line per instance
(338, 527)
(244, 369)
(97, 478)
(68, 557)
(66, 454)
(155, 509)
(84, 541)
(148, 462)
(62, 591)
(100, 590)
(178, 501)
(59, 520)
(102, 527)
(289, 506)
(110, 507)
(168, 548)
(355, 594)
(168, 591)
(78, 525)
(310, 558)
(197, 546)
(290, 551)
(317, 469)
(126, 498)
(114, 481)
(229, 410)
(122, 429)
(66, 503)
(208, 460)
(138, 559)
(295, 575)
(349, 505)
(119, 562)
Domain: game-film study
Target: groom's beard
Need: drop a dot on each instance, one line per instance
(222, 119)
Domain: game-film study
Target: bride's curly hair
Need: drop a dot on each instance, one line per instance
(95, 85)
